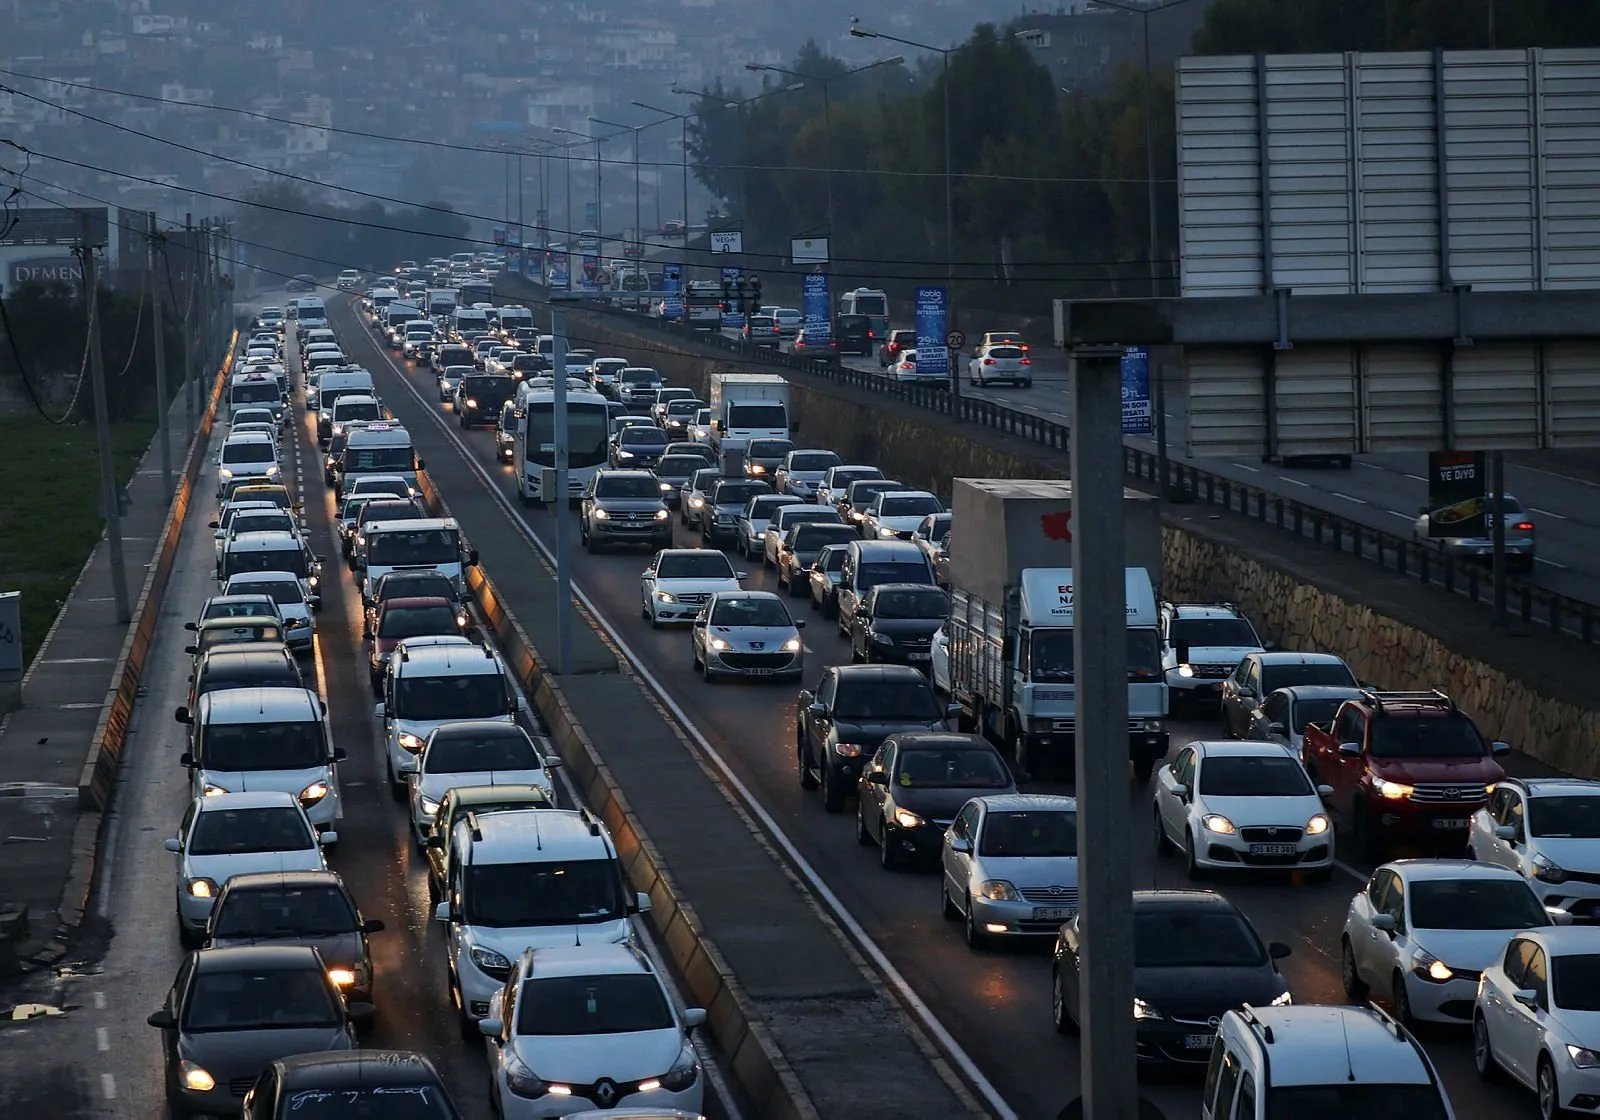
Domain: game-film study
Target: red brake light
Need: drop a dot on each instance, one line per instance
(1524, 526)
(988, 361)
(1024, 349)
(872, 334)
(1027, 361)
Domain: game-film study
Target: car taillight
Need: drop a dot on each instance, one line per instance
(1027, 361)
(1524, 526)
(872, 334)
(988, 361)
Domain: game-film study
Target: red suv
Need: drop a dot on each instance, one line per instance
(1405, 768)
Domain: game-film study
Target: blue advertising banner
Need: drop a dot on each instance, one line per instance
(932, 318)
(672, 281)
(732, 320)
(1138, 418)
(814, 307)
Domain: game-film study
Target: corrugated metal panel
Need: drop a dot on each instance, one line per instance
(1309, 169)
(1398, 199)
(1490, 147)
(1227, 403)
(1316, 400)
(1497, 405)
(1570, 167)
(1219, 195)
(1572, 394)
(1402, 398)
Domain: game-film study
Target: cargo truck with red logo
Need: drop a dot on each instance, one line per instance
(1009, 639)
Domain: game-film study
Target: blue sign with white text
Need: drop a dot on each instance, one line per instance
(732, 320)
(933, 315)
(1138, 418)
(814, 307)
(672, 281)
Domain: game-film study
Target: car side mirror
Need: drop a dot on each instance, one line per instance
(192, 627)
(172, 844)
(1558, 916)
(1180, 791)
(1506, 832)
(164, 1020)
(213, 524)
(1183, 653)
(877, 778)
(372, 925)
(1324, 791)
(422, 464)
(328, 838)
(182, 715)
(699, 624)
(1269, 646)
(442, 913)
(799, 624)
(186, 759)
(1499, 747)
(1351, 749)
(191, 650)
(491, 1028)
(817, 709)
(641, 903)
(339, 755)
(1277, 950)
(693, 1017)
(360, 1012)
(1525, 996)
(963, 847)
(1385, 923)
(378, 709)
(472, 558)
(741, 576)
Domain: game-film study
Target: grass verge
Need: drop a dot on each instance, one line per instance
(50, 511)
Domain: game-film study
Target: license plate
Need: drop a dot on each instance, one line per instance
(1053, 913)
(758, 672)
(1451, 823)
(918, 656)
(1198, 1041)
(1272, 849)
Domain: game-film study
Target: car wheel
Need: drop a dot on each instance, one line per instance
(1400, 1000)
(1482, 1052)
(1191, 868)
(1163, 841)
(705, 672)
(976, 941)
(887, 857)
(863, 837)
(947, 906)
(1355, 989)
(1548, 1092)
(1027, 384)
(832, 795)
(186, 937)
(1060, 1014)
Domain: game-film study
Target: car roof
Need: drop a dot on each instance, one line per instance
(469, 727)
(1562, 941)
(612, 959)
(410, 524)
(335, 1068)
(262, 880)
(266, 540)
(1321, 691)
(264, 577)
(458, 657)
(904, 493)
(414, 601)
(237, 597)
(1307, 1040)
(255, 705)
(1421, 870)
(468, 796)
(536, 835)
(247, 437)
(1290, 657)
(1203, 610)
(1242, 748)
(245, 623)
(1555, 787)
(1186, 899)
(1027, 802)
(260, 799)
(943, 740)
(240, 958)
(874, 550)
(728, 596)
(246, 658)
(879, 673)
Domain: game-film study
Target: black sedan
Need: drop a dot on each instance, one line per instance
(638, 446)
(231, 1011)
(1195, 957)
(896, 622)
(298, 908)
(914, 787)
(355, 1085)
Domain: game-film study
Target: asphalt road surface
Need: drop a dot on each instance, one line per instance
(994, 1005)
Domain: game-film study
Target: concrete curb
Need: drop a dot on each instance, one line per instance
(756, 1063)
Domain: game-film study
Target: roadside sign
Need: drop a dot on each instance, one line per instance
(1138, 413)
(1457, 494)
(727, 241)
(955, 340)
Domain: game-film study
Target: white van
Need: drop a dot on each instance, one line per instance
(469, 323)
(312, 313)
(252, 740)
(432, 681)
(336, 383)
(355, 408)
(381, 448)
(422, 542)
(513, 317)
(258, 389)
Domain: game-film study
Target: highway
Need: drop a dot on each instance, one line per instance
(103, 1040)
(995, 1005)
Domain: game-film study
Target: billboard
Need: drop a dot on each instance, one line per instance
(809, 250)
(814, 306)
(1138, 417)
(52, 225)
(932, 319)
(1457, 489)
(45, 270)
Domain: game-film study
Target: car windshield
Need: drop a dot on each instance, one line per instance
(864, 490)
(414, 546)
(1343, 1100)
(684, 407)
(750, 612)
(830, 559)
(564, 1006)
(236, 610)
(360, 410)
(909, 700)
(1201, 937)
(869, 576)
(231, 747)
(639, 378)
(738, 493)
(262, 999)
(694, 565)
(461, 752)
(290, 559)
(265, 521)
(352, 507)
(255, 392)
(384, 508)
(1008, 352)
(679, 467)
(1427, 737)
(282, 591)
(1575, 816)
(1474, 904)
(415, 622)
(1335, 673)
(428, 699)
(939, 768)
(232, 832)
(764, 506)
(398, 458)
(248, 451)
(1575, 980)
(627, 486)
(555, 892)
(1204, 632)
(812, 461)
(229, 635)
(930, 603)
(1253, 776)
(402, 1101)
(768, 448)
(812, 536)
(1314, 711)
(909, 507)
(283, 911)
(1032, 832)
(638, 435)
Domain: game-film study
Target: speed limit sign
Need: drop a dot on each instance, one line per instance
(955, 340)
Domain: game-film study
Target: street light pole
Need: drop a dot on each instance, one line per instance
(638, 219)
(683, 120)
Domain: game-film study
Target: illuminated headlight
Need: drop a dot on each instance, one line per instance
(621, 454)
(471, 403)
(312, 581)
(847, 750)
(995, 890)
(666, 597)
(1285, 1000)
(342, 977)
(697, 502)
(461, 619)
(488, 959)
(1317, 825)
(314, 793)
(885, 532)
(757, 468)
(674, 423)
(1185, 670)
(211, 790)
(338, 429)
(409, 742)
(905, 818)
(1546, 870)
(1430, 967)
(792, 645)
(202, 888)
(196, 1078)
(1216, 822)
(1142, 1010)
(718, 644)
(430, 807)
(856, 515)
(667, 487)
(1583, 1059)
(1394, 791)
(225, 475)
(601, 515)
(662, 515)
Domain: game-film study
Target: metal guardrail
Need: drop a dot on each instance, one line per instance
(1535, 606)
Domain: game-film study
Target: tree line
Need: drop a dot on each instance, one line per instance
(1049, 194)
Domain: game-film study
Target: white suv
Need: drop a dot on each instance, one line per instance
(1202, 644)
(1321, 1061)
(1548, 831)
(589, 1023)
(526, 879)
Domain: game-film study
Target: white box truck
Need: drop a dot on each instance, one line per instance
(1010, 631)
(747, 406)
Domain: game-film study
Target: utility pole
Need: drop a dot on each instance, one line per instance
(158, 328)
(1100, 646)
(190, 382)
(102, 421)
(559, 506)
(1497, 483)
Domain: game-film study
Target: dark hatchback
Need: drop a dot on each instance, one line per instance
(916, 784)
(896, 622)
(352, 1085)
(639, 445)
(674, 470)
(1195, 957)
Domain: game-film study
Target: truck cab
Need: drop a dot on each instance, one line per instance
(1405, 767)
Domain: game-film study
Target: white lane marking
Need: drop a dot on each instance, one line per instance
(102, 1039)
(1552, 563)
(1296, 481)
(99, 1001)
(1416, 477)
(1547, 513)
(1248, 467)
(1397, 513)
(918, 1008)
(1562, 477)
(1369, 466)
(1348, 497)
(108, 1086)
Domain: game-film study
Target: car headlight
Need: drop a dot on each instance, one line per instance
(724, 519)
(666, 597)
(195, 1077)
(905, 818)
(601, 515)
(314, 793)
(342, 977)
(697, 502)
(1142, 1010)
(430, 807)
(674, 423)
(792, 645)
(211, 789)
(662, 515)
(621, 454)
(667, 487)
(718, 644)
(488, 959)
(683, 1073)
(848, 750)
(1284, 1000)
(201, 888)
(995, 890)
(1152, 724)
(523, 1081)
(884, 532)
(1583, 1059)
(1430, 967)
(1185, 670)
(312, 581)
(409, 742)
(1394, 791)
(1546, 870)
(1216, 822)
(471, 403)
(1317, 825)
(882, 639)
(225, 475)
(757, 468)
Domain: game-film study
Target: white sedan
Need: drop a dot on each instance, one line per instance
(679, 581)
